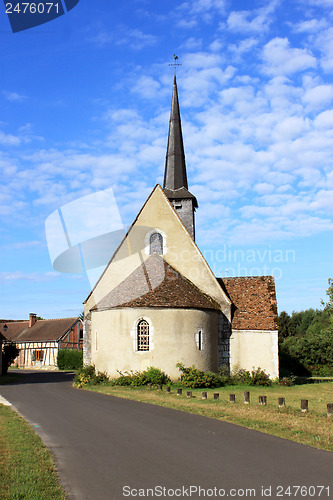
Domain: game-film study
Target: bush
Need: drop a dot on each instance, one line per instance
(244, 377)
(240, 376)
(192, 377)
(70, 359)
(259, 377)
(152, 376)
(9, 353)
(87, 375)
(287, 381)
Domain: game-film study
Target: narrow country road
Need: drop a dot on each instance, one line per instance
(108, 448)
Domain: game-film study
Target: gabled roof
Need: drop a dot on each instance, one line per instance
(254, 302)
(157, 191)
(42, 331)
(14, 328)
(156, 284)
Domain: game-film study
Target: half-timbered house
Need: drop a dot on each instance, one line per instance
(40, 340)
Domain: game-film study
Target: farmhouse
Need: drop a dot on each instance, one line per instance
(158, 302)
(39, 341)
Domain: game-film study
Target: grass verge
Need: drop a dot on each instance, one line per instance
(26, 466)
(313, 428)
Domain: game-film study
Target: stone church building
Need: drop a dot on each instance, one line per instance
(158, 302)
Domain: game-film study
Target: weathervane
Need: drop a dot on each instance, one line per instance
(175, 64)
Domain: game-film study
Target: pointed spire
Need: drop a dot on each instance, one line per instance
(175, 169)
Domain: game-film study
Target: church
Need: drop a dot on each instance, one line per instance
(158, 303)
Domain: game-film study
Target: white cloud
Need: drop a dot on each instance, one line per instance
(324, 43)
(136, 39)
(243, 47)
(14, 96)
(252, 21)
(19, 275)
(190, 13)
(9, 139)
(147, 87)
(324, 120)
(319, 96)
(281, 59)
(310, 26)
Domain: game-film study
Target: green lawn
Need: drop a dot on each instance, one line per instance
(313, 428)
(26, 466)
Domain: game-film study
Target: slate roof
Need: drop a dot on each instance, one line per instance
(156, 284)
(175, 177)
(254, 302)
(42, 331)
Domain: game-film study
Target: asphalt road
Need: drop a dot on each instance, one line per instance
(109, 448)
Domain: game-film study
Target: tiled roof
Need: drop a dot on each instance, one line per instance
(254, 302)
(156, 284)
(14, 328)
(43, 330)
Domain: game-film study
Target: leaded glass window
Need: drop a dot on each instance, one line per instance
(156, 244)
(143, 335)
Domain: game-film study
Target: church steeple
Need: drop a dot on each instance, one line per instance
(175, 178)
(175, 169)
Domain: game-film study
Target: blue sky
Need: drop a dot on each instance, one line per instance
(84, 107)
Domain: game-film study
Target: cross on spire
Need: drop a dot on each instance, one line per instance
(175, 64)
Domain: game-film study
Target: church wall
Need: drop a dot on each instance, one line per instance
(173, 338)
(251, 349)
(180, 252)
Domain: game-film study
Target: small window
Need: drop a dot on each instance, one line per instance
(156, 244)
(178, 207)
(81, 334)
(198, 339)
(37, 355)
(143, 335)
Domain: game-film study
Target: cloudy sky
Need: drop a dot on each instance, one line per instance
(84, 107)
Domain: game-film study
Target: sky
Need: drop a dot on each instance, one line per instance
(84, 109)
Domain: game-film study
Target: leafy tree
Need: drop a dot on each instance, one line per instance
(284, 321)
(9, 353)
(329, 304)
(306, 340)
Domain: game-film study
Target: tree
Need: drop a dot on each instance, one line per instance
(9, 353)
(284, 321)
(329, 293)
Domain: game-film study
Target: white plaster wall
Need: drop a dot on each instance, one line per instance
(181, 252)
(173, 334)
(250, 349)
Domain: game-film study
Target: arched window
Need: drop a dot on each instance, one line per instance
(143, 335)
(156, 244)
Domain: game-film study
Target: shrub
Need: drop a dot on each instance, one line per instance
(152, 376)
(240, 376)
(69, 359)
(259, 377)
(87, 376)
(244, 377)
(192, 377)
(9, 353)
(287, 381)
